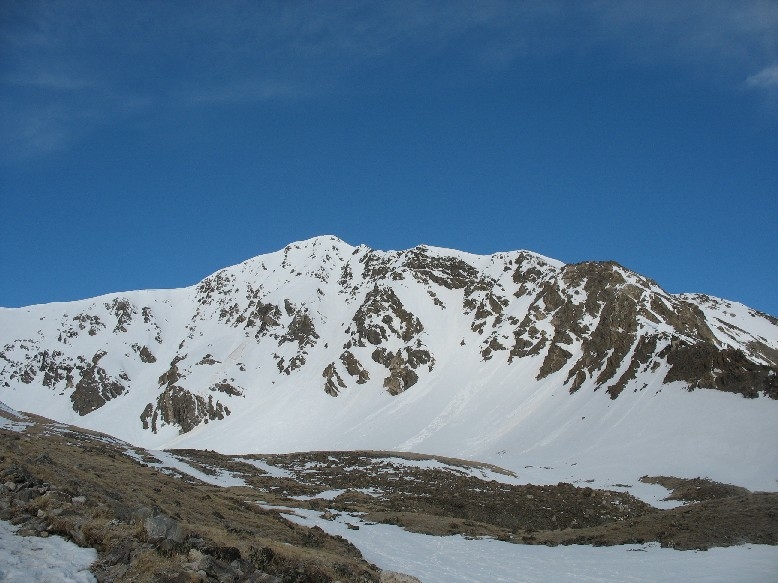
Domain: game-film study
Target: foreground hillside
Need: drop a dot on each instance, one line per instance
(203, 516)
(568, 372)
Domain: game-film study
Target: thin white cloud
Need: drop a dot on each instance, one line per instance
(766, 78)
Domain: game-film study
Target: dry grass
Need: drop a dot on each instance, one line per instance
(99, 497)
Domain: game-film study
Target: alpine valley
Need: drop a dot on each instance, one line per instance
(586, 372)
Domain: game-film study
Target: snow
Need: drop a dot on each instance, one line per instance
(43, 560)
(272, 471)
(326, 495)
(14, 425)
(455, 559)
(168, 461)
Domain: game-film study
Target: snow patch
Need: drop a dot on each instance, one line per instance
(43, 560)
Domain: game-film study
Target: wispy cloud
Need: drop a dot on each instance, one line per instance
(64, 62)
(766, 78)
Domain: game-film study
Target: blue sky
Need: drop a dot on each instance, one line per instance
(148, 144)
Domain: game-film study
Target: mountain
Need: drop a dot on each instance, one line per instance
(584, 371)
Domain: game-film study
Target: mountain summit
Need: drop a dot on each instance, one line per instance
(512, 357)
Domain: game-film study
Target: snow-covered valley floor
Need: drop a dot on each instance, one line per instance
(455, 559)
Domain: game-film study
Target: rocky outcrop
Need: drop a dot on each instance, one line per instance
(703, 366)
(402, 367)
(144, 353)
(177, 406)
(333, 382)
(382, 314)
(123, 310)
(354, 367)
(301, 330)
(96, 387)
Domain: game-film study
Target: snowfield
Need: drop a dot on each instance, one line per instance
(455, 559)
(26, 559)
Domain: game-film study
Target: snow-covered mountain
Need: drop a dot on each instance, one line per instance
(557, 371)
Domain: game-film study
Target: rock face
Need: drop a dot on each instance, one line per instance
(350, 320)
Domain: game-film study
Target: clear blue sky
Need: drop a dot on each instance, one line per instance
(148, 144)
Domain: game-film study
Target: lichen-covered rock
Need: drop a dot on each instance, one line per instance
(162, 528)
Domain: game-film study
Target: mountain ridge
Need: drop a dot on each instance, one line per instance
(422, 348)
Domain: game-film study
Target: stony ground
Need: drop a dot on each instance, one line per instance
(149, 524)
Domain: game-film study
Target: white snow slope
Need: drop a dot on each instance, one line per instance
(493, 358)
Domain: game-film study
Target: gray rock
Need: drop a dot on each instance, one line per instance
(163, 528)
(141, 513)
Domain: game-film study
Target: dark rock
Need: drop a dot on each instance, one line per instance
(333, 382)
(177, 406)
(354, 367)
(144, 353)
(95, 388)
(707, 367)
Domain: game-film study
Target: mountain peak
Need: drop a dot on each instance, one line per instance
(429, 348)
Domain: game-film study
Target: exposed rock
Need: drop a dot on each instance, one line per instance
(263, 317)
(163, 528)
(177, 406)
(295, 362)
(92, 321)
(556, 358)
(354, 367)
(123, 310)
(172, 375)
(706, 367)
(382, 313)
(447, 272)
(301, 330)
(393, 577)
(144, 353)
(227, 388)
(208, 359)
(333, 382)
(95, 388)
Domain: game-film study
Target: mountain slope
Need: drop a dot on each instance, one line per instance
(589, 370)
